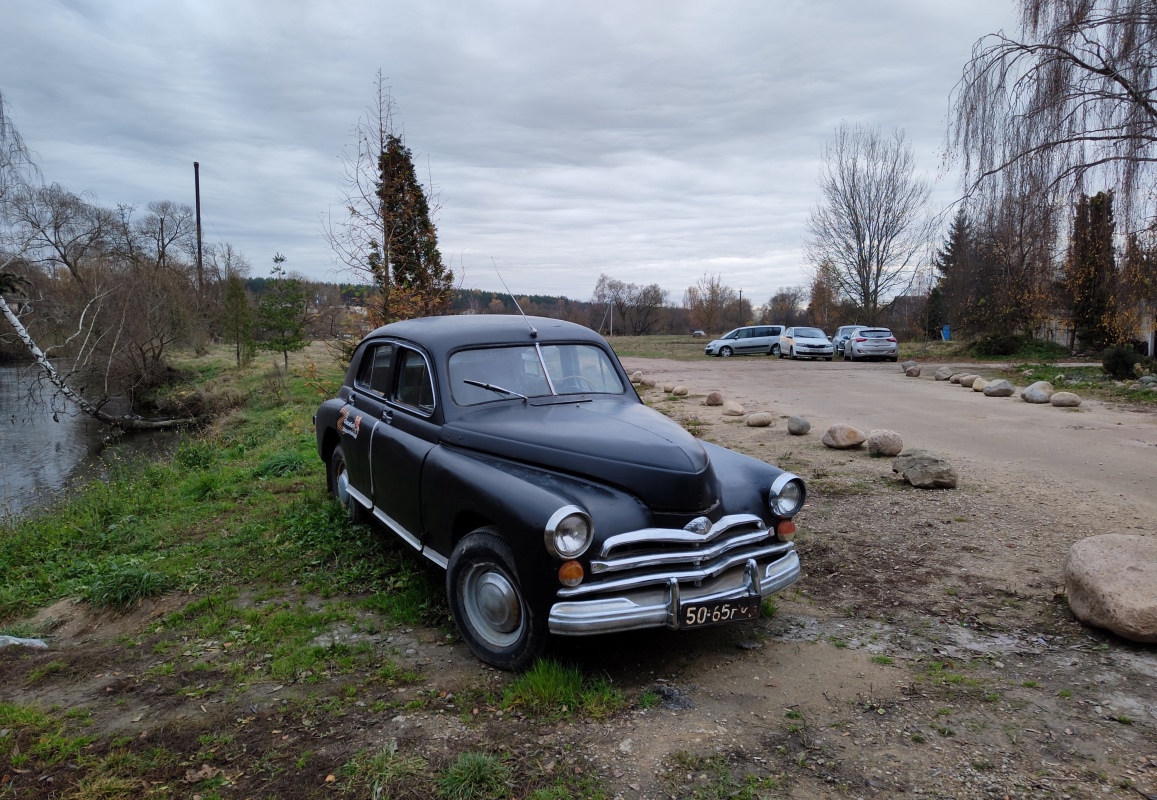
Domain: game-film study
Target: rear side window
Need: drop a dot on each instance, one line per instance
(415, 388)
(375, 371)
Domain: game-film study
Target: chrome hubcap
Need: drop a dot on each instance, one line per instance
(492, 605)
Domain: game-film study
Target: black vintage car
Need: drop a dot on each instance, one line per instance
(514, 452)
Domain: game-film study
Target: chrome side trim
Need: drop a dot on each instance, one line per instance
(659, 607)
(664, 557)
(679, 536)
(629, 582)
(410, 539)
(364, 501)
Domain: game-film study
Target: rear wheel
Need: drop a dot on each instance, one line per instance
(827, 358)
(488, 604)
(850, 355)
(774, 351)
(894, 359)
(338, 478)
(725, 352)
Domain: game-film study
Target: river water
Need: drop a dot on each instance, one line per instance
(45, 450)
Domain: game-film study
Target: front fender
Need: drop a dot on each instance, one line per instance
(461, 489)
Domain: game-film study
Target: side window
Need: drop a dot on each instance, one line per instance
(374, 373)
(745, 333)
(415, 387)
(776, 331)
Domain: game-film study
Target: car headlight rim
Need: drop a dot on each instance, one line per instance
(787, 495)
(569, 532)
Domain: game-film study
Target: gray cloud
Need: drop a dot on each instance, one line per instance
(653, 141)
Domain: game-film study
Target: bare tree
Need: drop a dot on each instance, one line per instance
(785, 306)
(709, 302)
(1070, 100)
(870, 226)
(637, 308)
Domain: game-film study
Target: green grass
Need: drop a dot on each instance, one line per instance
(682, 348)
(475, 776)
(553, 690)
(713, 778)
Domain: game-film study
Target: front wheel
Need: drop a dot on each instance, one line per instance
(338, 480)
(488, 604)
(827, 358)
(725, 352)
(791, 354)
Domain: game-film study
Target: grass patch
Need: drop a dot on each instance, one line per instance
(387, 773)
(553, 690)
(475, 776)
(713, 778)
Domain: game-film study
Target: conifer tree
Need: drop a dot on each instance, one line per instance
(1090, 280)
(282, 313)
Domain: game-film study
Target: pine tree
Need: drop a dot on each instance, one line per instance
(409, 273)
(281, 313)
(1091, 272)
(238, 319)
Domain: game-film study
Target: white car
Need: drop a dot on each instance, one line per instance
(805, 343)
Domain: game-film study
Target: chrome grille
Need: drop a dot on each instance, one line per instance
(700, 551)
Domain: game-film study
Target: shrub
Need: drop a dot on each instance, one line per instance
(1118, 361)
(1004, 344)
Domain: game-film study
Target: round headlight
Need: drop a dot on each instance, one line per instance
(568, 532)
(787, 495)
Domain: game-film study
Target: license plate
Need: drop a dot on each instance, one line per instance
(716, 612)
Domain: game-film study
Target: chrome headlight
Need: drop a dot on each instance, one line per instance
(787, 495)
(568, 532)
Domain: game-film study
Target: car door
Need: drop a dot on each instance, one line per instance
(746, 342)
(363, 410)
(405, 435)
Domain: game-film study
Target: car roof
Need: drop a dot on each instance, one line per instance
(440, 335)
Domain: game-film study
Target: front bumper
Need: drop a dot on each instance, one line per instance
(658, 606)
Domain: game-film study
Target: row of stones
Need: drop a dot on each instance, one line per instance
(1041, 392)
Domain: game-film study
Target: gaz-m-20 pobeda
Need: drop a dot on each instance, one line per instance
(514, 453)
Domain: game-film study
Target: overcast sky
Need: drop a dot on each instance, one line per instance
(652, 141)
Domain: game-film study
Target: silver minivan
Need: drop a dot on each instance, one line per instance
(747, 340)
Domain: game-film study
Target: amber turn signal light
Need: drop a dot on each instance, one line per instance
(785, 530)
(571, 573)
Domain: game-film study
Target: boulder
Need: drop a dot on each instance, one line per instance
(714, 399)
(1000, 388)
(905, 366)
(1065, 399)
(979, 385)
(668, 387)
(1038, 392)
(733, 409)
(798, 426)
(955, 377)
(760, 419)
(884, 443)
(1111, 582)
(647, 383)
(843, 437)
(968, 380)
(1148, 379)
(679, 391)
(913, 371)
(943, 374)
(925, 470)
(636, 376)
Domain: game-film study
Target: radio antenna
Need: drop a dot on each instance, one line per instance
(533, 332)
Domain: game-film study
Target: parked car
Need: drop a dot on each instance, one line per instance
(840, 338)
(746, 340)
(514, 453)
(866, 343)
(805, 343)
(697, 334)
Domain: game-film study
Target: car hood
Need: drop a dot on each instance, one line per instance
(609, 440)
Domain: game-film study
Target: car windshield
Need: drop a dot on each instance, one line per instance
(518, 372)
(732, 334)
(876, 334)
(809, 333)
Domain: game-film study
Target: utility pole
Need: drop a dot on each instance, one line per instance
(741, 319)
(200, 263)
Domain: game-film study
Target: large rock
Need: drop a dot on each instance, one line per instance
(913, 371)
(668, 387)
(1065, 399)
(679, 391)
(647, 383)
(907, 365)
(944, 374)
(714, 399)
(1111, 582)
(1038, 392)
(925, 470)
(798, 426)
(1000, 388)
(956, 376)
(760, 419)
(636, 376)
(733, 409)
(968, 379)
(884, 443)
(979, 385)
(843, 437)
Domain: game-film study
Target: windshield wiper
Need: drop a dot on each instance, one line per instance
(493, 388)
